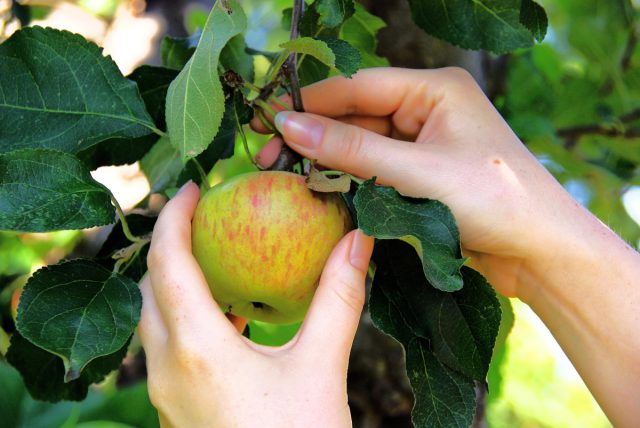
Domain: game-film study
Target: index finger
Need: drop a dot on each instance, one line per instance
(376, 92)
(178, 284)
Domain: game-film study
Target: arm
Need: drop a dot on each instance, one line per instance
(433, 133)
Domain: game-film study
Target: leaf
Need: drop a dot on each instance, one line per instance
(333, 53)
(319, 182)
(461, 327)
(427, 225)
(447, 399)
(474, 24)
(57, 91)
(533, 16)
(153, 83)
(176, 51)
(195, 101)
(334, 12)
(45, 190)
(348, 58)
(162, 165)
(79, 311)
(361, 31)
(233, 57)
(443, 397)
(44, 373)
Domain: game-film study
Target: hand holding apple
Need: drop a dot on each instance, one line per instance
(262, 240)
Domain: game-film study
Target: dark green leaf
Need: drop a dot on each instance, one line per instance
(311, 71)
(45, 190)
(443, 397)
(492, 25)
(57, 91)
(348, 58)
(361, 31)
(79, 311)
(195, 101)
(44, 373)
(426, 224)
(334, 12)
(176, 51)
(153, 83)
(461, 327)
(533, 16)
(234, 57)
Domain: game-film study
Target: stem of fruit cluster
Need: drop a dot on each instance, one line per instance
(203, 174)
(278, 101)
(266, 107)
(266, 122)
(125, 226)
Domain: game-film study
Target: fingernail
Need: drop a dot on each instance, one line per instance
(361, 249)
(300, 129)
(184, 186)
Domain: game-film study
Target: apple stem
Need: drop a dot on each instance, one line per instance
(243, 137)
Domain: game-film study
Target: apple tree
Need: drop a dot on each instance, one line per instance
(66, 110)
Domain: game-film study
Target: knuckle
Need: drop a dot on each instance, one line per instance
(352, 142)
(157, 391)
(350, 293)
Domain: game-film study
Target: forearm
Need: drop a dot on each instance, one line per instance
(585, 287)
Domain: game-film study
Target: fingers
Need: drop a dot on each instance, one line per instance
(330, 325)
(179, 287)
(350, 148)
(372, 92)
(153, 332)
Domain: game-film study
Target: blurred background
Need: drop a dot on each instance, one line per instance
(574, 100)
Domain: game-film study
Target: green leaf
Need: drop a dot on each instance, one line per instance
(153, 83)
(334, 53)
(57, 91)
(334, 12)
(45, 190)
(79, 311)
(44, 373)
(176, 51)
(443, 397)
(533, 16)
(492, 25)
(233, 57)
(361, 31)
(427, 225)
(348, 58)
(195, 101)
(162, 165)
(461, 327)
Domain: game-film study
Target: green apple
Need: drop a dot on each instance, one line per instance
(262, 240)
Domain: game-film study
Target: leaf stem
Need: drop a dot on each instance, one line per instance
(245, 143)
(281, 103)
(125, 226)
(266, 122)
(203, 173)
(265, 107)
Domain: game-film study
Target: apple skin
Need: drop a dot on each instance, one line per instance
(262, 240)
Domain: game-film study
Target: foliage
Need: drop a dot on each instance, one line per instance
(66, 110)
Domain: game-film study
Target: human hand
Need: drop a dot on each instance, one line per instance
(434, 134)
(203, 373)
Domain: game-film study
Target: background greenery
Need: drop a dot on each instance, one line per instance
(574, 101)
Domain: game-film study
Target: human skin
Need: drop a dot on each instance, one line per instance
(203, 373)
(434, 134)
(261, 240)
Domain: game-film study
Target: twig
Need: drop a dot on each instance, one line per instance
(572, 134)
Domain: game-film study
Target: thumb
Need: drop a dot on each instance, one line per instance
(345, 147)
(331, 322)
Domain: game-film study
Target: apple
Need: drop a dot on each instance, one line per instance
(262, 240)
(15, 299)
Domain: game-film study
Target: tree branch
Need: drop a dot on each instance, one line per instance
(572, 134)
(287, 157)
